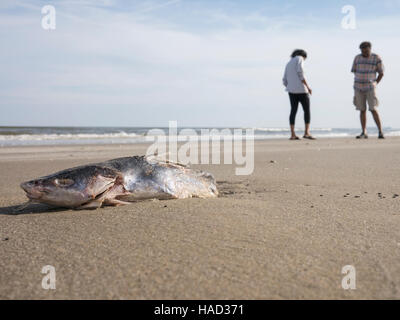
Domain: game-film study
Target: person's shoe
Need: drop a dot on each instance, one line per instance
(294, 138)
(381, 136)
(362, 136)
(310, 137)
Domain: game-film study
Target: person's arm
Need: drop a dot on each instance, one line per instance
(307, 86)
(284, 80)
(380, 76)
(354, 67)
(300, 73)
(380, 69)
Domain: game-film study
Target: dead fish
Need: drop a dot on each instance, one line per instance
(120, 181)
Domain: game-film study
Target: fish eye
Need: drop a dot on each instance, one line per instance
(63, 182)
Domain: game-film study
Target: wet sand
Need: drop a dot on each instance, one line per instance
(284, 232)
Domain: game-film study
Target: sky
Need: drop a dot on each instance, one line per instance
(199, 62)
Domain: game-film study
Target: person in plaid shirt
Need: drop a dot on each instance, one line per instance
(365, 67)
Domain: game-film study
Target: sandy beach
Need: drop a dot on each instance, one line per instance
(284, 232)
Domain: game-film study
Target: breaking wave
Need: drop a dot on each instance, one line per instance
(13, 136)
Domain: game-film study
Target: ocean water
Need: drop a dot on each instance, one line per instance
(14, 136)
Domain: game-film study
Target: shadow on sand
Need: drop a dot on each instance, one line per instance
(31, 208)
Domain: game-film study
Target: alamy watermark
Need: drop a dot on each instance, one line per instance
(49, 20)
(49, 280)
(349, 280)
(197, 145)
(349, 20)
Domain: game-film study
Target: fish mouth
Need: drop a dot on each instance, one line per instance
(33, 192)
(33, 195)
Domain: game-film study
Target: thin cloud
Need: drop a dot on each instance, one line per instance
(159, 6)
(112, 62)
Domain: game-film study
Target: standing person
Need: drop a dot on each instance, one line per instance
(365, 67)
(298, 89)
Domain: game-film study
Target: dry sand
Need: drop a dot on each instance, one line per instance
(286, 231)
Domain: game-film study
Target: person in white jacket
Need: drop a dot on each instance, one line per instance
(299, 91)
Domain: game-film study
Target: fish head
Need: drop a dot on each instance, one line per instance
(71, 188)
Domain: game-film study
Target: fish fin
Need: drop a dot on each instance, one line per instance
(161, 156)
(92, 205)
(115, 202)
(163, 159)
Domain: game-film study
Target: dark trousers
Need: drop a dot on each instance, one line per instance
(304, 99)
